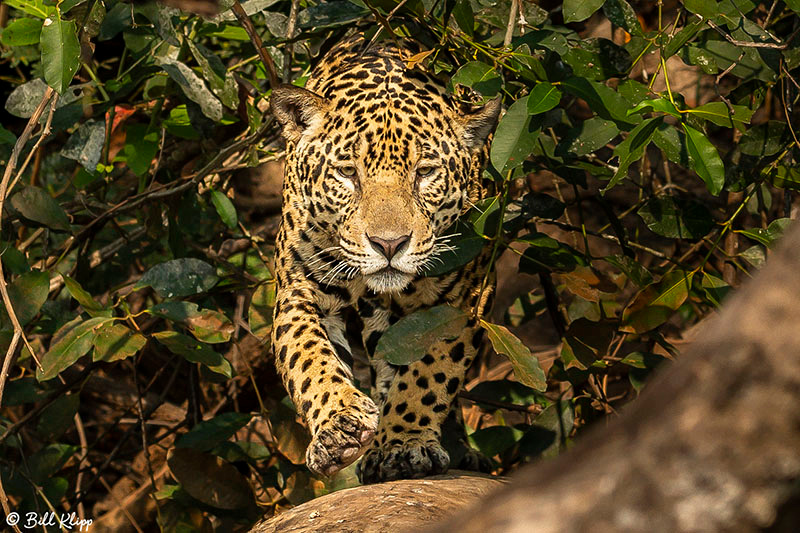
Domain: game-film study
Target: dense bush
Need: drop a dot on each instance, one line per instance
(645, 165)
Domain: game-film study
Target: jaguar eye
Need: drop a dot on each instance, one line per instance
(347, 171)
(425, 171)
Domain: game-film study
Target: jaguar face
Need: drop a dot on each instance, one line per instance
(382, 173)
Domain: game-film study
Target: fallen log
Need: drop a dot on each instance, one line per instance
(384, 508)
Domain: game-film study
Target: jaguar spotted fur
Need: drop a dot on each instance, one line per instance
(380, 161)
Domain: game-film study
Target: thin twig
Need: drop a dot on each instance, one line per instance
(266, 59)
(288, 52)
(512, 20)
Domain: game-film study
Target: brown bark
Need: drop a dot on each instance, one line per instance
(384, 508)
(712, 445)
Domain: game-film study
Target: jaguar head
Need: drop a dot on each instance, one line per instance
(382, 173)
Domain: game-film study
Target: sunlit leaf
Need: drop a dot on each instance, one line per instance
(514, 138)
(656, 303)
(708, 164)
(113, 342)
(71, 347)
(526, 366)
(60, 52)
(543, 97)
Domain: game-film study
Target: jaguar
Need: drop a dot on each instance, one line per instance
(380, 161)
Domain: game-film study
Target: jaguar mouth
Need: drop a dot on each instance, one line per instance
(388, 279)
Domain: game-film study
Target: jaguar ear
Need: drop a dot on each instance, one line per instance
(296, 109)
(479, 124)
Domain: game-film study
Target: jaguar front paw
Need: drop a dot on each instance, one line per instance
(343, 437)
(411, 459)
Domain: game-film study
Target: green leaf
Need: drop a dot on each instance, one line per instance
(543, 97)
(784, 177)
(715, 288)
(765, 139)
(631, 268)
(767, 236)
(37, 205)
(585, 342)
(464, 16)
(85, 299)
(549, 431)
(537, 204)
(205, 324)
(677, 41)
(708, 164)
(27, 293)
(657, 104)
(225, 208)
(210, 433)
(588, 136)
(676, 218)
(656, 303)
(21, 391)
(38, 8)
(598, 59)
(193, 87)
(410, 338)
(578, 10)
(632, 148)
(261, 309)
(621, 14)
(505, 390)
(526, 366)
(332, 13)
(69, 348)
(718, 113)
(43, 464)
(794, 5)
(60, 52)
(215, 73)
(485, 216)
(180, 125)
(141, 147)
(22, 32)
(179, 277)
(494, 440)
(603, 100)
(673, 142)
(546, 254)
(114, 342)
(478, 76)
(514, 138)
(194, 351)
(706, 8)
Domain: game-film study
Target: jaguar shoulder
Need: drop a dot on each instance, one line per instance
(380, 162)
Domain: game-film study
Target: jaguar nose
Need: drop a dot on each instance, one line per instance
(388, 247)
